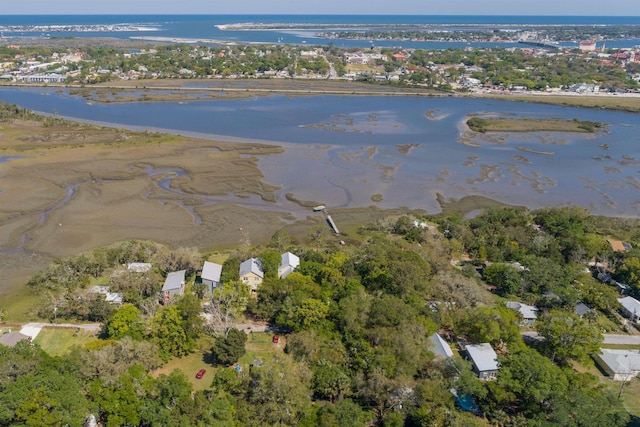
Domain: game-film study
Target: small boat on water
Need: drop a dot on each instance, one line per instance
(319, 208)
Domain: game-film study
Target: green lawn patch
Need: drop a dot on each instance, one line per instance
(630, 396)
(191, 364)
(621, 346)
(58, 341)
(21, 305)
(260, 346)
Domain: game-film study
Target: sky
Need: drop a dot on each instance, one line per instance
(324, 7)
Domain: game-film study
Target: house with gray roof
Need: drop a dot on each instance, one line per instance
(114, 298)
(288, 263)
(484, 360)
(440, 347)
(528, 313)
(210, 276)
(582, 309)
(620, 365)
(10, 339)
(173, 285)
(630, 308)
(251, 273)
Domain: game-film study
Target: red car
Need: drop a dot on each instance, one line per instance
(276, 339)
(201, 373)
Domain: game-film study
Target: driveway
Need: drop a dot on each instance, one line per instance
(33, 329)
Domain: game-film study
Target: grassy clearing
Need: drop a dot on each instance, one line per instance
(191, 364)
(467, 204)
(630, 396)
(260, 346)
(58, 341)
(621, 346)
(20, 304)
(630, 390)
(608, 326)
(601, 102)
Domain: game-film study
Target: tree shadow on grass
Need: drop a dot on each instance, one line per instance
(633, 421)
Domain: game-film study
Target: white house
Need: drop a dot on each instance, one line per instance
(211, 275)
(484, 359)
(288, 263)
(114, 298)
(620, 365)
(528, 313)
(173, 285)
(630, 308)
(440, 347)
(251, 273)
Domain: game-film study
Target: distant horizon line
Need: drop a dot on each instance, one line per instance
(312, 14)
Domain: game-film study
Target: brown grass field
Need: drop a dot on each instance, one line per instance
(605, 102)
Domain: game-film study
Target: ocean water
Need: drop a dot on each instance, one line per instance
(203, 27)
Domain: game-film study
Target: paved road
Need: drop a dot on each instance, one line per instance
(622, 339)
(33, 329)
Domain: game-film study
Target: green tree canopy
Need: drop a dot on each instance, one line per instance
(125, 322)
(567, 336)
(227, 350)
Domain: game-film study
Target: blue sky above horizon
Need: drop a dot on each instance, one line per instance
(326, 7)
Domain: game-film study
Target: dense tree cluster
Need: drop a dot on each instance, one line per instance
(357, 320)
(501, 67)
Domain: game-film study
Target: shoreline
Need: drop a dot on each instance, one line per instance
(246, 88)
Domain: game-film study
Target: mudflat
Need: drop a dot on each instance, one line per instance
(68, 187)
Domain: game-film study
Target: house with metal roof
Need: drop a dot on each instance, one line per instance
(210, 276)
(251, 273)
(440, 347)
(620, 365)
(630, 308)
(114, 298)
(484, 360)
(528, 313)
(288, 263)
(173, 285)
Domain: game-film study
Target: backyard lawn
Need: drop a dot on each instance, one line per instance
(260, 347)
(191, 364)
(58, 341)
(630, 397)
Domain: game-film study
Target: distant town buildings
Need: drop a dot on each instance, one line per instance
(587, 46)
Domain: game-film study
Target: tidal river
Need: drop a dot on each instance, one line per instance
(342, 150)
